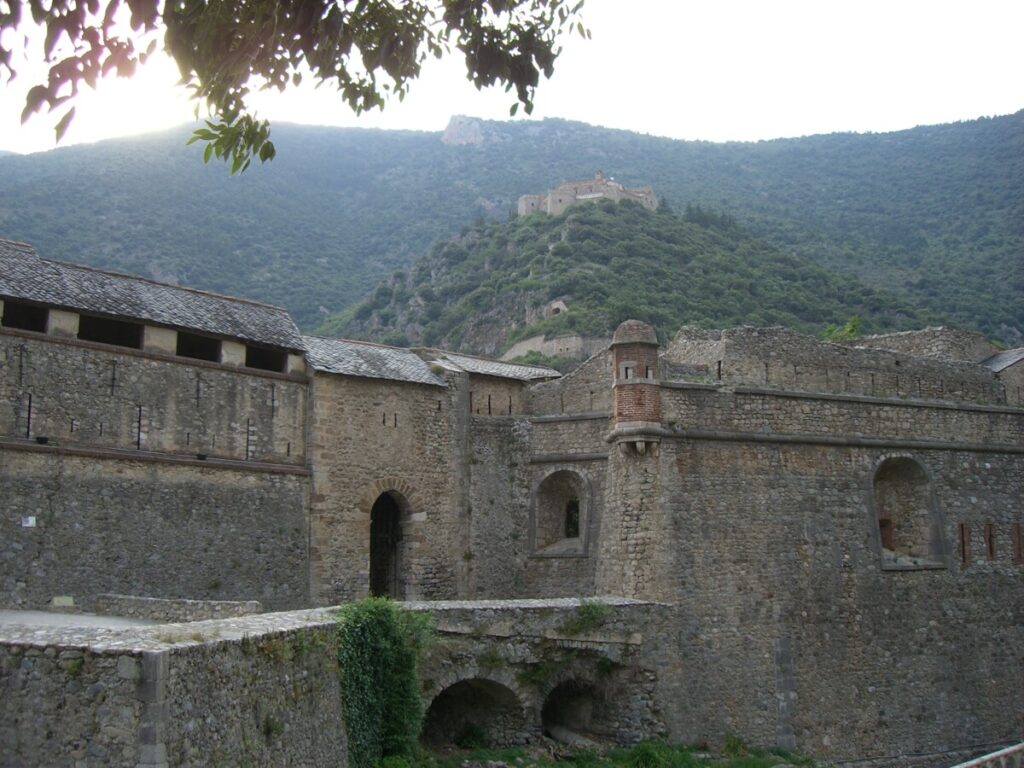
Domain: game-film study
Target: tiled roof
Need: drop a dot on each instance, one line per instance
(24, 275)
(485, 367)
(1003, 360)
(374, 361)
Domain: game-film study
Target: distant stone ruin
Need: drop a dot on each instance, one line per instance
(569, 193)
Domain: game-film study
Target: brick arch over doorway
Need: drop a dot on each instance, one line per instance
(392, 485)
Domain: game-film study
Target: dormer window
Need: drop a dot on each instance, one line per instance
(265, 358)
(25, 317)
(198, 347)
(105, 330)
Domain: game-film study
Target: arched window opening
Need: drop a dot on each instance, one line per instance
(475, 713)
(385, 538)
(909, 531)
(560, 514)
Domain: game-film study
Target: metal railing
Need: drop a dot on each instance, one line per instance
(1010, 757)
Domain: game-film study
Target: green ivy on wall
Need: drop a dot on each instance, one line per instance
(379, 649)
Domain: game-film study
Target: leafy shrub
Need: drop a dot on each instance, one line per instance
(589, 616)
(379, 647)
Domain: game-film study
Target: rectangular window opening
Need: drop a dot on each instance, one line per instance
(990, 541)
(198, 347)
(265, 358)
(572, 518)
(887, 534)
(105, 330)
(1018, 543)
(26, 317)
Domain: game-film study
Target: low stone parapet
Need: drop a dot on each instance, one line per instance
(171, 610)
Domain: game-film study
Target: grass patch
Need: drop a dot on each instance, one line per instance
(648, 754)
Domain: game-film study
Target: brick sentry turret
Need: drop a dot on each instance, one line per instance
(635, 359)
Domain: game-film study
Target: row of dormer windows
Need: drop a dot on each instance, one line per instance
(126, 333)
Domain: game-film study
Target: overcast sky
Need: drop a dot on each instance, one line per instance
(718, 70)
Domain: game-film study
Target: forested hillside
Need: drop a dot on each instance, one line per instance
(607, 262)
(935, 215)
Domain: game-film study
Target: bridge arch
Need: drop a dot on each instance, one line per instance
(574, 711)
(479, 709)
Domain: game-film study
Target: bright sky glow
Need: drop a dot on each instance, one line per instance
(690, 69)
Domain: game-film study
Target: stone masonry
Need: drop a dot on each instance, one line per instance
(831, 534)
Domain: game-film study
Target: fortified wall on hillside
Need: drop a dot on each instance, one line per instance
(569, 193)
(825, 540)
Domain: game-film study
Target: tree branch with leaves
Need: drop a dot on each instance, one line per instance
(369, 50)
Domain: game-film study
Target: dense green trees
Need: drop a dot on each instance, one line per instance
(934, 216)
(610, 262)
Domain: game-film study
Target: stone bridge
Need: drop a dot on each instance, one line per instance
(264, 689)
(513, 670)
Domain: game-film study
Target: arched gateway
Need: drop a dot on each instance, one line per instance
(385, 540)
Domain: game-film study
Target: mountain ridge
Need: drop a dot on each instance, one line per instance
(934, 214)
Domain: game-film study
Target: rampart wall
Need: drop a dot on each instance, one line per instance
(80, 393)
(776, 557)
(134, 472)
(82, 525)
(173, 610)
(588, 389)
(257, 691)
(936, 343)
(494, 396)
(781, 359)
(756, 412)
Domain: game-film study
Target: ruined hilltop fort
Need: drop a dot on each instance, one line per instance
(807, 545)
(569, 193)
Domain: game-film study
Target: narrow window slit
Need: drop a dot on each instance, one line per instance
(965, 544)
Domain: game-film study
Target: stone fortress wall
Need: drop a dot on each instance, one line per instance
(136, 470)
(833, 532)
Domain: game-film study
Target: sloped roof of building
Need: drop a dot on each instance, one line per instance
(485, 367)
(1002, 360)
(372, 361)
(25, 275)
